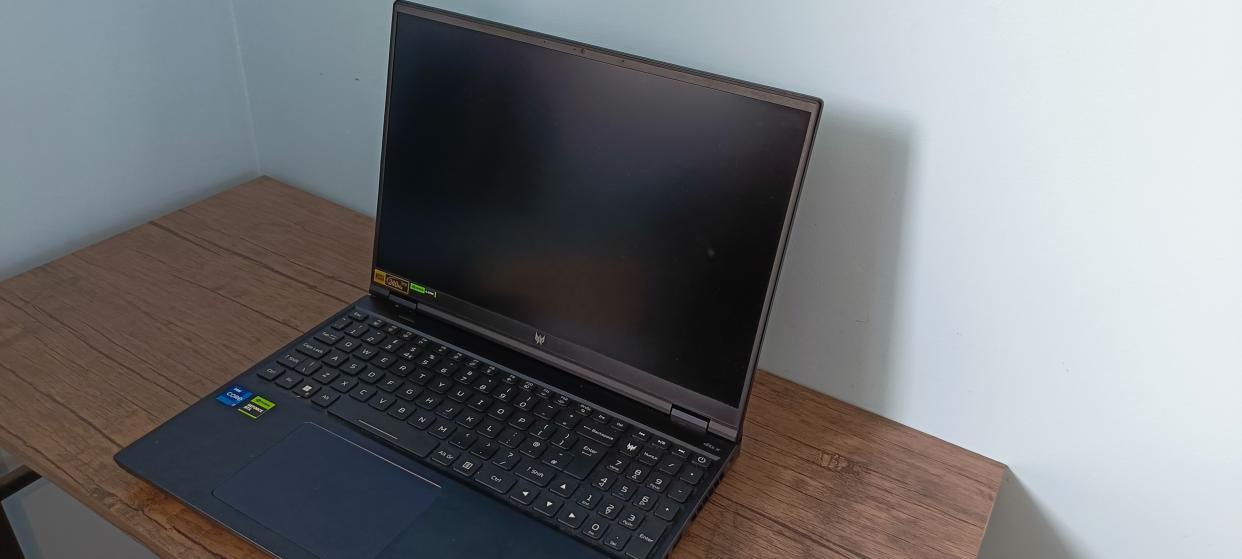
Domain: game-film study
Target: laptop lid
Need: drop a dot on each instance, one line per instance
(618, 217)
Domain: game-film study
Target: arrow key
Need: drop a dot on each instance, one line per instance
(571, 516)
(524, 493)
(564, 486)
(547, 506)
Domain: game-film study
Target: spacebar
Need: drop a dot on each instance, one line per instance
(384, 427)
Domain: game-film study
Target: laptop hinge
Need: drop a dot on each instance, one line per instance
(693, 421)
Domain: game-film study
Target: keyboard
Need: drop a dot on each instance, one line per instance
(617, 486)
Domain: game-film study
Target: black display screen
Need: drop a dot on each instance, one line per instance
(632, 214)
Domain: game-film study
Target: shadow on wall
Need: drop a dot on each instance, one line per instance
(832, 321)
(1019, 529)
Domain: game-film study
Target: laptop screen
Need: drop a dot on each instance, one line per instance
(633, 215)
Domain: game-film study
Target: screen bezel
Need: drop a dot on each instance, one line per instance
(601, 369)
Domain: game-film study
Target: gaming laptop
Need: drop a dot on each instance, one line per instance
(575, 253)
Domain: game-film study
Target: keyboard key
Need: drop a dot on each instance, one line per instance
(484, 449)
(440, 385)
(546, 410)
(638, 472)
(357, 330)
(670, 465)
(588, 498)
(442, 429)
(448, 410)
(270, 372)
(594, 528)
(352, 368)
(501, 412)
(347, 345)
(308, 366)
(658, 483)
(616, 463)
(312, 348)
(557, 458)
(428, 401)
(650, 456)
(563, 486)
(326, 376)
(645, 540)
(679, 452)
(328, 336)
(535, 473)
(382, 401)
(506, 459)
(365, 352)
(630, 447)
(389, 384)
(603, 481)
(543, 430)
(692, 475)
(401, 411)
(289, 380)
(533, 448)
(463, 439)
(371, 376)
(495, 478)
(511, 438)
(335, 359)
(617, 539)
(344, 384)
(374, 337)
(521, 421)
(357, 315)
(646, 500)
(422, 420)
(565, 439)
(568, 419)
(467, 465)
(469, 419)
(402, 369)
(459, 394)
(491, 429)
(547, 506)
(571, 516)
(600, 433)
(384, 360)
(667, 510)
(325, 398)
(290, 360)
(445, 455)
(624, 490)
(524, 493)
(679, 492)
(409, 391)
(341, 323)
(701, 461)
(631, 519)
(480, 403)
(421, 376)
(611, 508)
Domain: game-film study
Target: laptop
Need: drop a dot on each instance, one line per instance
(575, 253)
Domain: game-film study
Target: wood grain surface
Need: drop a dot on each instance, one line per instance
(102, 345)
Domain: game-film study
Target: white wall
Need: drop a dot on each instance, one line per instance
(1020, 232)
(112, 113)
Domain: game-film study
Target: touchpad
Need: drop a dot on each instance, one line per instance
(328, 495)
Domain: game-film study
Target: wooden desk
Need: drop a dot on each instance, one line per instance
(100, 346)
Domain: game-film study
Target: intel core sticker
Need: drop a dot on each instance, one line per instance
(256, 407)
(234, 396)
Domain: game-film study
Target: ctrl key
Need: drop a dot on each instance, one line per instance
(645, 540)
(495, 478)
